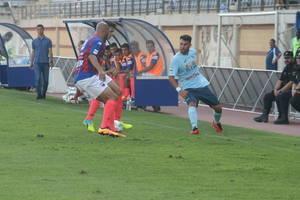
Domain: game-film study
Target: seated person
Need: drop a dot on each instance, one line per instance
(154, 62)
(295, 101)
(281, 93)
(126, 71)
(139, 56)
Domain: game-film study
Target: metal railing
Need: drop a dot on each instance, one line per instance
(105, 8)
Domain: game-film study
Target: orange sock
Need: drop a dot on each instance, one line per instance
(132, 79)
(109, 115)
(94, 105)
(127, 92)
(119, 109)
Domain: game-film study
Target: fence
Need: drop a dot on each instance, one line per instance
(105, 8)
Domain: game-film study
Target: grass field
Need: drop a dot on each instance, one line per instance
(157, 161)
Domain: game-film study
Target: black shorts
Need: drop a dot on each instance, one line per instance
(201, 94)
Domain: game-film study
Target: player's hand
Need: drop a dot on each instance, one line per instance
(183, 93)
(276, 92)
(102, 76)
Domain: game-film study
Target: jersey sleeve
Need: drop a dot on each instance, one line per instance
(283, 75)
(130, 63)
(50, 44)
(143, 59)
(33, 44)
(96, 47)
(154, 59)
(173, 68)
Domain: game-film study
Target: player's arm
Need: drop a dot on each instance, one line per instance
(154, 60)
(277, 86)
(50, 55)
(286, 87)
(93, 59)
(172, 73)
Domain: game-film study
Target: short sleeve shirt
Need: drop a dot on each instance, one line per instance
(272, 54)
(94, 46)
(41, 48)
(287, 74)
(188, 72)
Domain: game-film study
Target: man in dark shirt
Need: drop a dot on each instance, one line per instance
(295, 101)
(273, 56)
(281, 93)
(41, 60)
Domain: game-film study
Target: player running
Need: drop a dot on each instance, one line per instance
(193, 85)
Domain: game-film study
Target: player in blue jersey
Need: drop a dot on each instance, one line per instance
(193, 86)
(92, 80)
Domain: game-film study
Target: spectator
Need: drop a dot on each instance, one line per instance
(280, 4)
(296, 42)
(41, 60)
(154, 65)
(281, 93)
(295, 101)
(154, 62)
(9, 46)
(273, 56)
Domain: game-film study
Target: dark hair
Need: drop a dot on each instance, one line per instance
(40, 25)
(272, 40)
(125, 45)
(134, 43)
(81, 41)
(8, 34)
(110, 24)
(186, 38)
(150, 42)
(118, 51)
(113, 45)
(107, 47)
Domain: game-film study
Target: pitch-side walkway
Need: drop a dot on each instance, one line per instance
(240, 119)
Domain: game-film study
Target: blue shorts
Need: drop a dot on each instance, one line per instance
(201, 94)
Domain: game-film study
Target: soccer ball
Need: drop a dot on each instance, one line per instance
(118, 125)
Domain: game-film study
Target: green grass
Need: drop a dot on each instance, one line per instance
(157, 161)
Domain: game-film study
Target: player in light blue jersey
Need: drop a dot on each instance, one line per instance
(192, 85)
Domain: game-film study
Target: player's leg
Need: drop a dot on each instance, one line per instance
(126, 88)
(38, 80)
(119, 107)
(192, 103)
(209, 98)
(94, 105)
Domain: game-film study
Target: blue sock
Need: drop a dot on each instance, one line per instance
(217, 116)
(193, 115)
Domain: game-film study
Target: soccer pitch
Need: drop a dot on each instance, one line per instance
(46, 153)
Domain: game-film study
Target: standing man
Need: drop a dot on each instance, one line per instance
(193, 86)
(295, 101)
(272, 56)
(281, 93)
(41, 60)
